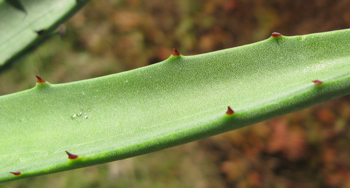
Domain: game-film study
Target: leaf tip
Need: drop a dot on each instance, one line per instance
(16, 173)
(40, 80)
(317, 82)
(276, 35)
(71, 156)
(175, 53)
(229, 111)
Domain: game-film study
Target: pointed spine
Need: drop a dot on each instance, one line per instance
(276, 34)
(40, 80)
(71, 156)
(317, 82)
(16, 173)
(40, 32)
(229, 111)
(176, 53)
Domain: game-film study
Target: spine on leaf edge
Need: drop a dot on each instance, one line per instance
(176, 52)
(229, 111)
(71, 156)
(16, 173)
(317, 82)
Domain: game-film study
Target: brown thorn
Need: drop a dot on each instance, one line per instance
(276, 34)
(16, 173)
(229, 111)
(317, 82)
(40, 32)
(175, 53)
(40, 80)
(71, 156)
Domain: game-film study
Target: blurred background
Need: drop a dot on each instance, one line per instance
(309, 148)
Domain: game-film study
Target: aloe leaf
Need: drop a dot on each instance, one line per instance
(179, 100)
(17, 4)
(25, 24)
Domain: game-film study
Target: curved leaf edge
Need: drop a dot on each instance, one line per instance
(298, 99)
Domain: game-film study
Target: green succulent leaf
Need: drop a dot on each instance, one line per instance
(17, 4)
(26, 23)
(179, 100)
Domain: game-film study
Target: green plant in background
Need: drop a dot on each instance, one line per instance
(179, 100)
(25, 24)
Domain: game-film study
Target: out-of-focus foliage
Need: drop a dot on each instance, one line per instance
(25, 24)
(305, 149)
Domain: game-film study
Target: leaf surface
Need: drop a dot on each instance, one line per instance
(179, 100)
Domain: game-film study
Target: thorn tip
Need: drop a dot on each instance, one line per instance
(16, 173)
(40, 80)
(229, 111)
(276, 34)
(71, 156)
(175, 53)
(317, 82)
(40, 32)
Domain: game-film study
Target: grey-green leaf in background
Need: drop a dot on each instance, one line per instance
(26, 23)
